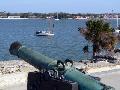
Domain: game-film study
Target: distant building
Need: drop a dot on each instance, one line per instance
(81, 17)
(77, 17)
(13, 16)
(3, 16)
(49, 17)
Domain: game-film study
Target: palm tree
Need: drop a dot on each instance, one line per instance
(100, 34)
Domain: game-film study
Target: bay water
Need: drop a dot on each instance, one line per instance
(66, 43)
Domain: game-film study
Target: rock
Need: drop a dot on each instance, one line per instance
(13, 66)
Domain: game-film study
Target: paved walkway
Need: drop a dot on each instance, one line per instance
(111, 78)
(16, 87)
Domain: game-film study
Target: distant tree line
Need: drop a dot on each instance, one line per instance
(54, 15)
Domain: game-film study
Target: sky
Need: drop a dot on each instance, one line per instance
(70, 6)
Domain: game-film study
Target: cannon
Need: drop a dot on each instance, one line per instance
(61, 69)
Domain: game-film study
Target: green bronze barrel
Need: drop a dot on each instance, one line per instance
(32, 57)
(85, 82)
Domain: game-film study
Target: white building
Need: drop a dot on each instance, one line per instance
(13, 17)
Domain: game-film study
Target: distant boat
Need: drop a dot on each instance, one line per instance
(48, 32)
(57, 18)
(44, 33)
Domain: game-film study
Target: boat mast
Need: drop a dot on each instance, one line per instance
(57, 15)
(50, 25)
(117, 20)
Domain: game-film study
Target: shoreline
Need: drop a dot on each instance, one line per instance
(12, 66)
(17, 72)
(61, 19)
(12, 18)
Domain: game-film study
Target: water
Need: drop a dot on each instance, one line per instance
(67, 42)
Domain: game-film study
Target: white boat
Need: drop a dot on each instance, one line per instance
(57, 17)
(46, 32)
(117, 31)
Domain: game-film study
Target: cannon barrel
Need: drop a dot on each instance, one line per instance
(38, 60)
(32, 57)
